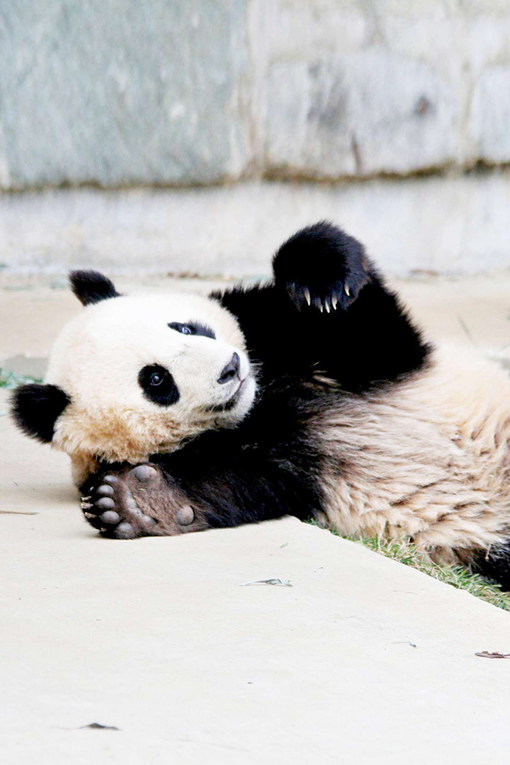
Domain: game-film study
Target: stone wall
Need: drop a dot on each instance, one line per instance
(363, 88)
(123, 92)
(237, 109)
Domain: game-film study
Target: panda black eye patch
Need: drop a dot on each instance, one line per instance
(158, 385)
(193, 328)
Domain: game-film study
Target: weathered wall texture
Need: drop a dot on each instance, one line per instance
(359, 88)
(122, 92)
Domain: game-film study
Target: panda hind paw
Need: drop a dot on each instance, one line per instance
(139, 502)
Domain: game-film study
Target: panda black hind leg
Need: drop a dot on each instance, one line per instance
(495, 565)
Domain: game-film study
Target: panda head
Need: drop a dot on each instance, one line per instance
(136, 375)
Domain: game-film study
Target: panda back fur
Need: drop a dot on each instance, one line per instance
(428, 458)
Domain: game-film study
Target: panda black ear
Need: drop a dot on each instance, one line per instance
(91, 286)
(35, 409)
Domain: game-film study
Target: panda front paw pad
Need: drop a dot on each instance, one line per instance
(139, 502)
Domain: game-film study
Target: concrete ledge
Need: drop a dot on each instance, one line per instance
(361, 660)
(456, 225)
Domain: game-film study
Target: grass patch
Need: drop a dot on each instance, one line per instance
(458, 576)
(11, 380)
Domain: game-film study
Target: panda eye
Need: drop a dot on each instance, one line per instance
(155, 379)
(158, 385)
(184, 329)
(192, 329)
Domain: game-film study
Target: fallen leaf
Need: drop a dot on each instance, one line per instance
(17, 512)
(274, 582)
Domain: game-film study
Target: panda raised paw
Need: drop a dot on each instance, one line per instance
(330, 280)
(139, 502)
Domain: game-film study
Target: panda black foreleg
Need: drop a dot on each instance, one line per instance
(240, 496)
(173, 495)
(270, 466)
(330, 312)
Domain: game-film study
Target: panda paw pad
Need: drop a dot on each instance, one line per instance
(139, 502)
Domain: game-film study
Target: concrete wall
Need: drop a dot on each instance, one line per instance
(121, 92)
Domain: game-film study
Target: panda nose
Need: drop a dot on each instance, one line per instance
(231, 370)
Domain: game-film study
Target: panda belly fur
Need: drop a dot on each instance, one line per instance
(427, 459)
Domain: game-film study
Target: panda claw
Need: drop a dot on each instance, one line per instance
(307, 295)
(334, 302)
(94, 521)
(327, 305)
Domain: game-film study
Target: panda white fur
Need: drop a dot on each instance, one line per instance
(313, 395)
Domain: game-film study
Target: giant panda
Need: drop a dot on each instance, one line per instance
(313, 395)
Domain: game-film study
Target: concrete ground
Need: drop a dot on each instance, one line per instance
(360, 660)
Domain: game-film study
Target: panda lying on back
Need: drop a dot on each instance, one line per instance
(313, 395)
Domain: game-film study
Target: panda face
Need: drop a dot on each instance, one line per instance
(143, 374)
